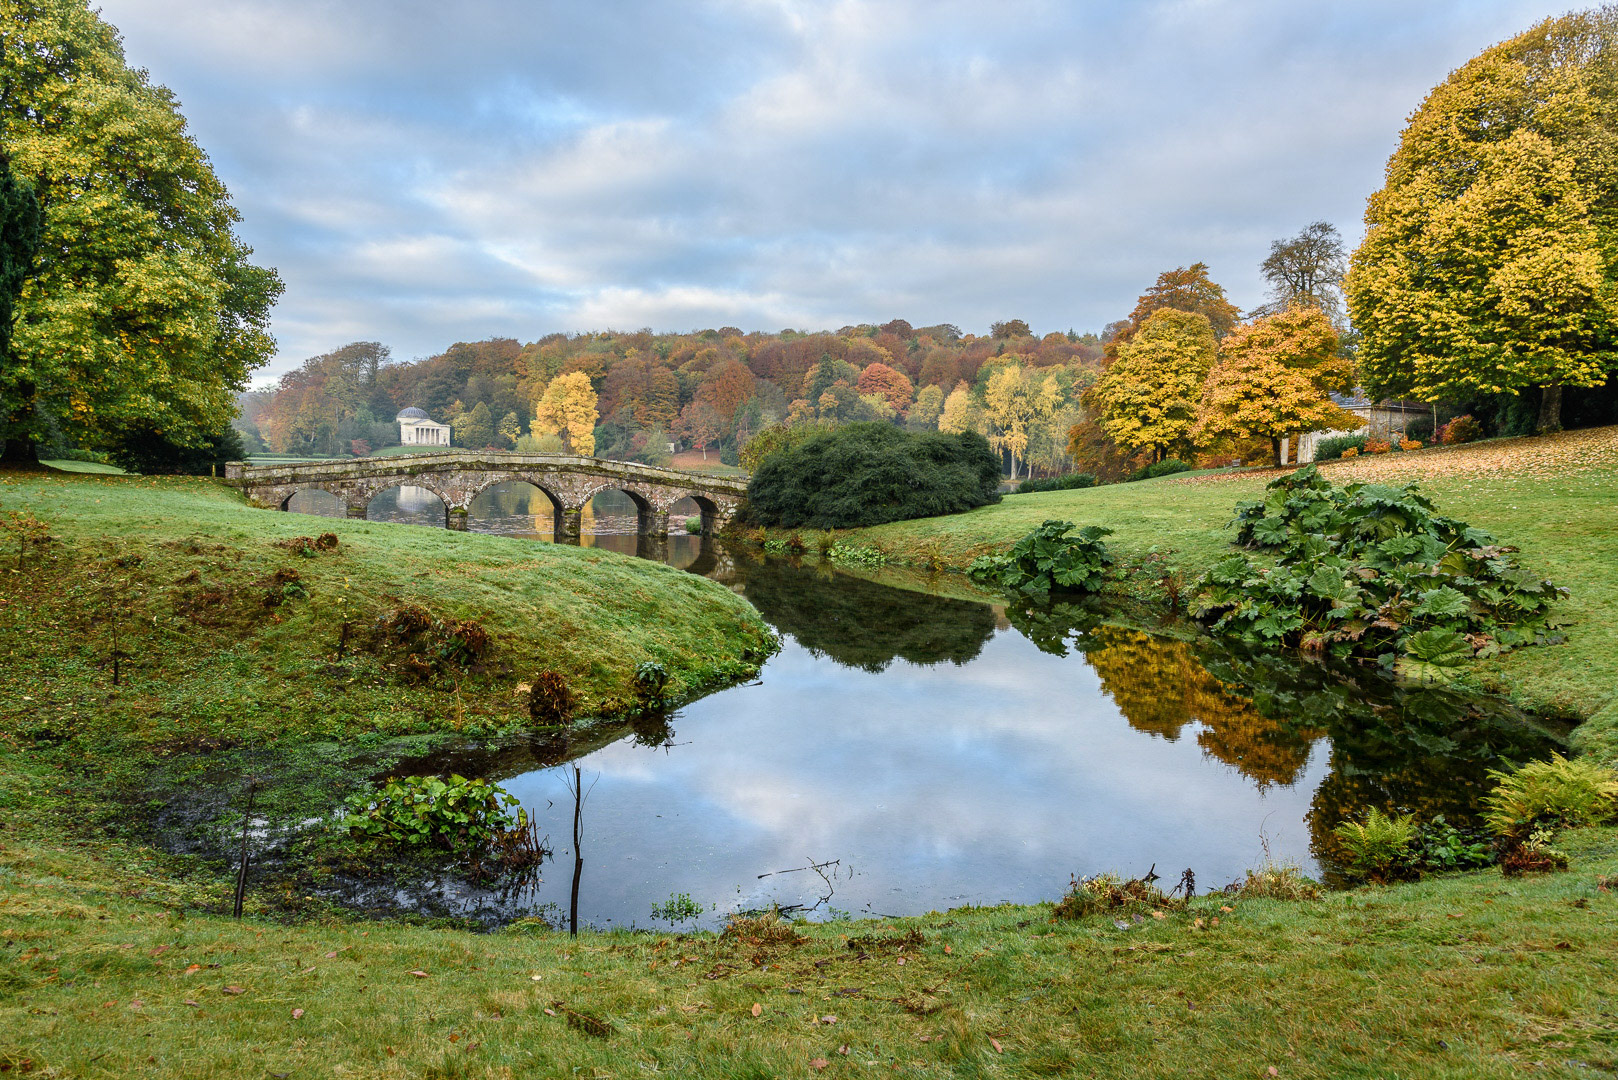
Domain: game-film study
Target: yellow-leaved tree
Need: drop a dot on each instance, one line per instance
(960, 413)
(1148, 398)
(1273, 379)
(1016, 400)
(567, 409)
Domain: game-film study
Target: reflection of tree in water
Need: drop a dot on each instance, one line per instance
(1421, 750)
(859, 623)
(1160, 686)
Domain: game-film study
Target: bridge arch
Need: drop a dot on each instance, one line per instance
(706, 507)
(311, 491)
(538, 484)
(439, 517)
(646, 508)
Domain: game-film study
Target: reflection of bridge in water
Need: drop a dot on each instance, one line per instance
(457, 478)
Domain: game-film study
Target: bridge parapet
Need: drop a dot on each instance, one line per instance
(457, 477)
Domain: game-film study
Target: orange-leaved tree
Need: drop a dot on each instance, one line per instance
(1273, 381)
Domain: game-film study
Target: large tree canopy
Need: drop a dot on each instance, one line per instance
(19, 240)
(144, 315)
(1490, 261)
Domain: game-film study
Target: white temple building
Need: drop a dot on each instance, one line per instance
(415, 429)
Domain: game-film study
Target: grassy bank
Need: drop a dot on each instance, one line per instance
(1555, 497)
(1472, 975)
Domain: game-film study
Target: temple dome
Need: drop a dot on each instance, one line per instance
(411, 413)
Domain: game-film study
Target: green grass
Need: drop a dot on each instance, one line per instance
(109, 965)
(64, 465)
(188, 569)
(103, 973)
(1555, 498)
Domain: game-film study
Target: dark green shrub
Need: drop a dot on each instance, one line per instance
(1440, 847)
(1165, 467)
(1048, 560)
(1331, 449)
(871, 473)
(1420, 429)
(1066, 482)
(1373, 571)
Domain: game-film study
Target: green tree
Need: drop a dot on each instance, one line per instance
(1148, 397)
(928, 407)
(19, 239)
(1490, 260)
(476, 428)
(144, 315)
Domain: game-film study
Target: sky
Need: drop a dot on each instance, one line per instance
(424, 173)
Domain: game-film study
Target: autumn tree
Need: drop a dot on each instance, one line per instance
(1011, 328)
(961, 413)
(1015, 401)
(144, 315)
(1273, 379)
(1185, 288)
(567, 409)
(1148, 398)
(893, 385)
(1487, 263)
(701, 423)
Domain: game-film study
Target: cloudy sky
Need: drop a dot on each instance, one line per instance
(422, 173)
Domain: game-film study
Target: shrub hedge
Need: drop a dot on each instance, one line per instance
(1066, 482)
(872, 473)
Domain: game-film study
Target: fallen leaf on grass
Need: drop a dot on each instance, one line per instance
(193, 1004)
(1274, 1071)
(818, 1063)
(843, 1049)
(757, 1009)
(947, 949)
(160, 950)
(550, 1012)
(1197, 924)
(418, 973)
(297, 1014)
(1226, 908)
(1158, 915)
(996, 1044)
(235, 990)
(828, 1019)
(193, 969)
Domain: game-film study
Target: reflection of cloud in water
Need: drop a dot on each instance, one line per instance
(938, 785)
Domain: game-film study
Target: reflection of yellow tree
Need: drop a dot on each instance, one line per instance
(1160, 687)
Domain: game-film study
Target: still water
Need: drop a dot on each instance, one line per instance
(906, 752)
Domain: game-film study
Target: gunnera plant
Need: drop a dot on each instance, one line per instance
(1048, 560)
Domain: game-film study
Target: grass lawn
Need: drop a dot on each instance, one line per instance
(1555, 497)
(64, 465)
(109, 969)
(192, 587)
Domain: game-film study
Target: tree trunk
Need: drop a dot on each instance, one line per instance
(1550, 409)
(1275, 452)
(20, 456)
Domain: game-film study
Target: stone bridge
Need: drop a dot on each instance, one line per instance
(457, 476)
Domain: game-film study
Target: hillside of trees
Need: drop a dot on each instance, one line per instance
(712, 390)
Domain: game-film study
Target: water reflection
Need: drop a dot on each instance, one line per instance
(948, 753)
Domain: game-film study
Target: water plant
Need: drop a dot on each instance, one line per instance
(465, 817)
(677, 909)
(863, 554)
(1048, 560)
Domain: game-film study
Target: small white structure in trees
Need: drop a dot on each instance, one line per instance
(416, 429)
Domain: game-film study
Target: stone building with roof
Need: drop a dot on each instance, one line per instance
(417, 429)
